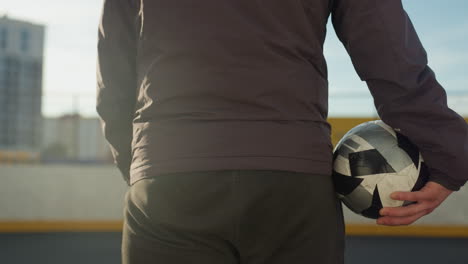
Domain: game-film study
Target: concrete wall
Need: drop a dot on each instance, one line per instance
(64, 192)
(60, 192)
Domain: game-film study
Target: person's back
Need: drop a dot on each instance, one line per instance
(193, 86)
(227, 84)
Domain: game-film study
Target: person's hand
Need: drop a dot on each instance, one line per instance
(427, 200)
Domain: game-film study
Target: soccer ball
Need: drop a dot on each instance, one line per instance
(370, 162)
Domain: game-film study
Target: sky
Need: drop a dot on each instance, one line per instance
(71, 37)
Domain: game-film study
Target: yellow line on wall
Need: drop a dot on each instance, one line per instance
(59, 226)
(351, 229)
(451, 231)
(341, 125)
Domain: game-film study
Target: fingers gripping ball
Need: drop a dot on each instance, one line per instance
(370, 162)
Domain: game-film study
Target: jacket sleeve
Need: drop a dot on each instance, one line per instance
(388, 55)
(116, 78)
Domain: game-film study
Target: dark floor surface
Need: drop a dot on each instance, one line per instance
(104, 248)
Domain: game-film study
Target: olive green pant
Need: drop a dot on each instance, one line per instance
(233, 216)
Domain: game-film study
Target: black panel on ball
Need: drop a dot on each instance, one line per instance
(423, 178)
(345, 184)
(368, 162)
(411, 149)
(373, 210)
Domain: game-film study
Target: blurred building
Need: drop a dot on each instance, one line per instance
(21, 67)
(74, 138)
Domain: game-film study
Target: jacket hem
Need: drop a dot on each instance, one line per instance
(312, 166)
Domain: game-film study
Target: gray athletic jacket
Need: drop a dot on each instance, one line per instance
(188, 85)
